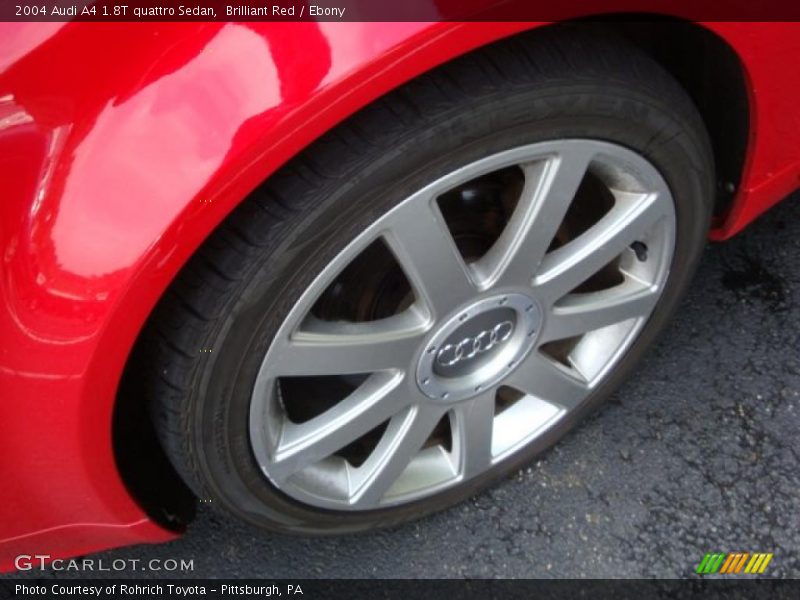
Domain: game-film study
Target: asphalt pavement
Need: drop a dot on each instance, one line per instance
(699, 452)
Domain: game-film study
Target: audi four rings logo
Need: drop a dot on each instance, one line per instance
(452, 354)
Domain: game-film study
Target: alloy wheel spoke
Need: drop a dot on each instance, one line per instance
(400, 443)
(347, 348)
(421, 242)
(301, 444)
(542, 378)
(565, 268)
(474, 425)
(577, 314)
(550, 185)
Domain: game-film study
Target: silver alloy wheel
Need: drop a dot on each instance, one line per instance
(471, 329)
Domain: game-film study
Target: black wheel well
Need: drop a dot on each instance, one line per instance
(712, 74)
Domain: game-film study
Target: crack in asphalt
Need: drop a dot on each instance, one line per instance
(697, 453)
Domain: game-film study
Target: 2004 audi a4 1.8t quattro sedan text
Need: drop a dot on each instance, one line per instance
(336, 276)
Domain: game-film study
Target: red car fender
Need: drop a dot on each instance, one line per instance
(123, 145)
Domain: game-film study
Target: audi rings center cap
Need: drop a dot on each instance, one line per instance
(478, 346)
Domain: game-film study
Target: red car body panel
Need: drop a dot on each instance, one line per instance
(123, 145)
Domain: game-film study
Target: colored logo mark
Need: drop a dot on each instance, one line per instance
(734, 563)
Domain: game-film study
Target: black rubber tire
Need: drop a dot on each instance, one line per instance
(209, 334)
